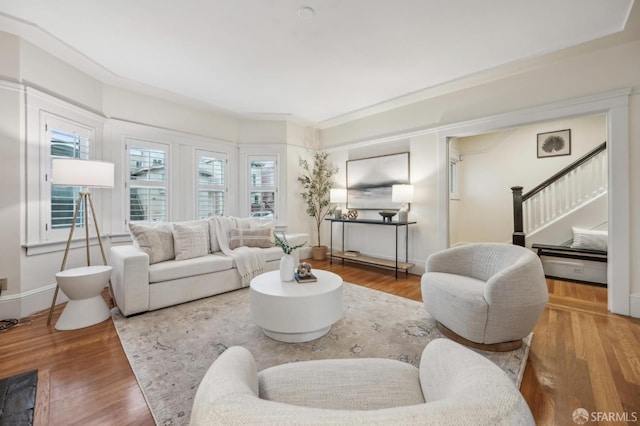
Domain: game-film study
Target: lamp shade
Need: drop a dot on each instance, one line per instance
(338, 195)
(402, 194)
(76, 172)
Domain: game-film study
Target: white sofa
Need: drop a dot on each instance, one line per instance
(453, 386)
(141, 285)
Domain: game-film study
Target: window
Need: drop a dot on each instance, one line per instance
(262, 186)
(55, 129)
(211, 184)
(66, 144)
(147, 181)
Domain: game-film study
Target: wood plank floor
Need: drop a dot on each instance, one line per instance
(581, 356)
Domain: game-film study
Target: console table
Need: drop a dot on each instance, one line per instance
(375, 261)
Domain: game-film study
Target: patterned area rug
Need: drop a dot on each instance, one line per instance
(171, 349)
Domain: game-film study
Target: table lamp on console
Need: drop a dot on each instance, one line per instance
(338, 196)
(402, 194)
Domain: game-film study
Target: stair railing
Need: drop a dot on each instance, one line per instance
(566, 190)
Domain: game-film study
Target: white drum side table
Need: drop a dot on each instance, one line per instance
(83, 286)
(295, 312)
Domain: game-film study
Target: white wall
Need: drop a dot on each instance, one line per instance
(493, 163)
(11, 212)
(586, 71)
(138, 108)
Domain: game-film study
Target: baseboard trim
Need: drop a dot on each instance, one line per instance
(29, 302)
(634, 305)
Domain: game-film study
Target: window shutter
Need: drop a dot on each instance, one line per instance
(211, 183)
(148, 198)
(262, 186)
(66, 144)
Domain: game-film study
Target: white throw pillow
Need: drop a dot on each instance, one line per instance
(190, 240)
(588, 239)
(270, 225)
(243, 222)
(155, 240)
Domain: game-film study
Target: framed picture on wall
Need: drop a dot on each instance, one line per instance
(553, 144)
(369, 181)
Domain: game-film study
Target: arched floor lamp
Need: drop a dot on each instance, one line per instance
(84, 173)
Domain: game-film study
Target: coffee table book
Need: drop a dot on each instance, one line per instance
(308, 279)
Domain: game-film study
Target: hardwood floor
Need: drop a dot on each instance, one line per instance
(581, 356)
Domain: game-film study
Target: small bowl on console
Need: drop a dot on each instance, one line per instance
(387, 215)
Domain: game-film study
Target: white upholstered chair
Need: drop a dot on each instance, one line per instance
(485, 295)
(454, 386)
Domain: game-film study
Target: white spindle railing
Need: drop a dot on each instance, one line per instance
(568, 193)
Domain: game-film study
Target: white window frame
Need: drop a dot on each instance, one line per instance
(454, 187)
(263, 188)
(43, 112)
(250, 152)
(131, 143)
(86, 133)
(224, 187)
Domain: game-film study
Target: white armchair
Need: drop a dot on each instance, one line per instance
(454, 386)
(485, 295)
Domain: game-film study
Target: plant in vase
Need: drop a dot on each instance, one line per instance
(316, 181)
(287, 262)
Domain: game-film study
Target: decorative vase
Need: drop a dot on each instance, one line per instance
(287, 266)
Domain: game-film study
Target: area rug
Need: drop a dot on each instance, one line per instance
(171, 349)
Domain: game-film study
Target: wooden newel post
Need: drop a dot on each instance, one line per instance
(518, 223)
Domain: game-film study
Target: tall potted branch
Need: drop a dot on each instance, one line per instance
(316, 181)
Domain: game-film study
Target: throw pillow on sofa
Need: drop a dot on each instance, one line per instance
(250, 238)
(589, 239)
(190, 240)
(270, 225)
(155, 240)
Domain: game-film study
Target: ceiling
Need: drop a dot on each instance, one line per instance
(260, 58)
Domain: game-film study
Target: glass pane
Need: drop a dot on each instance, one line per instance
(148, 204)
(63, 204)
(147, 164)
(263, 173)
(66, 144)
(263, 204)
(211, 171)
(210, 203)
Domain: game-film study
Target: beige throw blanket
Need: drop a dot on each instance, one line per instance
(250, 261)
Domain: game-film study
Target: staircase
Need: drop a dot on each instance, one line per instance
(579, 186)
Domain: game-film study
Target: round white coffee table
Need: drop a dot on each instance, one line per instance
(295, 312)
(83, 286)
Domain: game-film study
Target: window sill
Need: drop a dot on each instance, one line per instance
(58, 246)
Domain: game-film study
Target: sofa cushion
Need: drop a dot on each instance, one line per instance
(250, 238)
(271, 254)
(343, 384)
(190, 240)
(155, 240)
(270, 225)
(174, 269)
